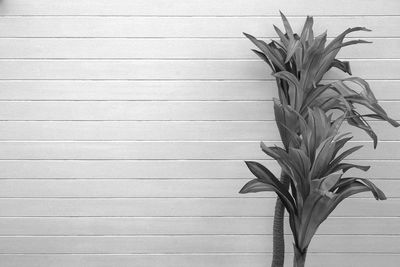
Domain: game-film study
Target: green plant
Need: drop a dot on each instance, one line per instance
(311, 176)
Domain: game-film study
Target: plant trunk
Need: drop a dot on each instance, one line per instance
(299, 257)
(278, 253)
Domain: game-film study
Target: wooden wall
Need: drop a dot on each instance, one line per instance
(124, 125)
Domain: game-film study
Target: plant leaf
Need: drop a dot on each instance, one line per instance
(265, 176)
(255, 186)
(269, 53)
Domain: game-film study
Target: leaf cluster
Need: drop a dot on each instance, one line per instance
(299, 63)
(314, 163)
(314, 150)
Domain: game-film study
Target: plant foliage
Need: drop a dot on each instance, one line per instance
(314, 163)
(309, 114)
(300, 62)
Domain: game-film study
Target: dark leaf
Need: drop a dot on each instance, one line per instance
(342, 65)
(255, 186)
(265, 176)
(269, 53)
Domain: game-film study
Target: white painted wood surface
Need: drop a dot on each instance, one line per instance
(124, 126)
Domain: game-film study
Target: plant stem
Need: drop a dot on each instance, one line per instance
(278, 255)
(299, 259)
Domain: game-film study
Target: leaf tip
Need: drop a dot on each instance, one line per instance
(248, 162)
(242, 191)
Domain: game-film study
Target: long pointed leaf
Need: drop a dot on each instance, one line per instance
(265, 176)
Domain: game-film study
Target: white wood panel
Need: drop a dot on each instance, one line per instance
(181, 207)
(100, 226)
(160, 90)
(198, 7)
(183, 69)
(191, 244)
(150, 110)
(108, 26)
(136, 110)
(167, 169)
(199, 260)
(149, 188)
(179, 48)
(160, 177)
(166, 150)
(163, 131)
(138, 130)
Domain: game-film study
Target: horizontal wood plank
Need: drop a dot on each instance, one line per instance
(149, 188)
(221, 260)
(163, 130)
(166, 150)
(183, 69)
(192, 244)
(108, 26)
(200, 260)
(197, 7)
(160, 90)
(151, 110)
(167, 169)
(100, 226)
(109, 48)
(180, 207)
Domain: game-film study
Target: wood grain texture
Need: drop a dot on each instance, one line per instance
(199, 260)
(197, 7)
(162, 131)
(161, 70)
(189, 244)
(165, 169)
(149, 188)
(186, 150)
(160, 90)
(151, 110)
(172, 48)
(124, 126)
(178, 207)
(126, 226)
(178, 27)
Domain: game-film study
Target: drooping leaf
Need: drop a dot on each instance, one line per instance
(347, 166)
(342, 65)
(346, 183)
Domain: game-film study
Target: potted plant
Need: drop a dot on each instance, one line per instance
(312, 181)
